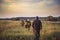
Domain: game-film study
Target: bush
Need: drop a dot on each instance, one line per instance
(52, 36)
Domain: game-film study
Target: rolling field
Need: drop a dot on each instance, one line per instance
(12, 30)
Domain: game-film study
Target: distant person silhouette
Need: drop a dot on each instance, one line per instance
(22, 23)
(28, 24)
(37, 26)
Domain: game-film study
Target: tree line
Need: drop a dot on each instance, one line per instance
(51, 18)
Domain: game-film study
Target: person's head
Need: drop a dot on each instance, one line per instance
(37, 17)
(28, 20)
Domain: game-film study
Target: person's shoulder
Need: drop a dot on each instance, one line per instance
(39, 20)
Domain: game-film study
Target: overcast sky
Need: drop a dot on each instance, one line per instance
(29, 8)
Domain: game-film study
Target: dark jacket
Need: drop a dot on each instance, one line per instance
(37, 25)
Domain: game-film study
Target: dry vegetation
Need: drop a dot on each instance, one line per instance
(12, 30)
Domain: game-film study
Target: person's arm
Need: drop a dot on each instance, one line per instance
(40, 25)
(33, 27)
(33, 24)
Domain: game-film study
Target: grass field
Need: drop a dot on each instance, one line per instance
(12, 30)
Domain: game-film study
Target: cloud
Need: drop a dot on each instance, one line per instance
(30, 7)
(1, 1)
(57, 2)
(44, 4)
(31, 1)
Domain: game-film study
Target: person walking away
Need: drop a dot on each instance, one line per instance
(28, 24)
(22, 23)
(37, 26)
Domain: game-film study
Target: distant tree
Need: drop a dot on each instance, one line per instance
(50, 18)
(15, 18)
(58, 18)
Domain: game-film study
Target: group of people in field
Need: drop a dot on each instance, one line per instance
(26, 23)
(36, 25)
